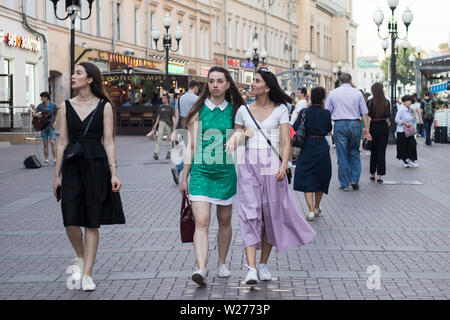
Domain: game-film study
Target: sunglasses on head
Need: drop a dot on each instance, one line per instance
(265, 70)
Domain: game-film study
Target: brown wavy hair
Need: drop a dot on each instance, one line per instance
(232, 95)
(380, 103)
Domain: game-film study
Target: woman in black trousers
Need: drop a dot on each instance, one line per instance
(379, 112)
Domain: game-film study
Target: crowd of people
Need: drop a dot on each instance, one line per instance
(216, 125)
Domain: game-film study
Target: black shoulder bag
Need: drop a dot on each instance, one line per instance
(74, 151)
(288, 170)
(298, 141)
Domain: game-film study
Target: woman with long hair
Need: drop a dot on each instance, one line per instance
(268, 214)
(209, 175)
(379, 112)
(89, 186)
(406, 145)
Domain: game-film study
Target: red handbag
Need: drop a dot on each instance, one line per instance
(187, 222)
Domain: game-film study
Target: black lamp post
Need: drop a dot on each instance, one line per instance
(167, 43)
(378, 18)
(337, 71)
(254, 56)
(73, 9)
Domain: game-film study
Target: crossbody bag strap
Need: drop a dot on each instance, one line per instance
(259, 128)
(92, 117)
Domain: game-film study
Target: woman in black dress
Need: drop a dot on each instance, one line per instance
(379, 111)
(89, 186)
(313, 169)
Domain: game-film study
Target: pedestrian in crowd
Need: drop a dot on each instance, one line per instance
(346, 105)
(406, 146)
(174, 101)
(89, 186)
(419, 122)
(183, 107)
(379, 113)
(268, 213)
(427, 111)
(313, 170)
(301, 104)
(49, 110)
(212, 173)
(249, 99)
(166, 121)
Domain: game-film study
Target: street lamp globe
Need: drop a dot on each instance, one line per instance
(313, 65)
(156, 33)
(335, 70)
(378, 17)
(393, 4)
(255, 44)
(178, 33)
(385, 44)
(412, 57)
(248, 54)
(405, 44)
(419, 49)
(167, 20)
(407, 17)
(340, 64)
(263, 53)
(307, 57)
(300, 65)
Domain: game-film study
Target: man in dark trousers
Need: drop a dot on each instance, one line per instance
(427, 111)
(48, 133)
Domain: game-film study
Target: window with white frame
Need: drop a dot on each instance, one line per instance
(137, 25)
(192, 36)
(100, 17)
(30, 90)
(238, 36)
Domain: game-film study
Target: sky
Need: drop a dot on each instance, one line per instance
(430, 26)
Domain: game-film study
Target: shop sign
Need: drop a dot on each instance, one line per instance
(131, 61)
(130, 78)
(204, 71)
(234, 63)
(248, 64)
(176, 69)
(26, 43)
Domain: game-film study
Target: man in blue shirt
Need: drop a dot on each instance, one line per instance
(48, 133)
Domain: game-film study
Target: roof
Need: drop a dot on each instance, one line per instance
(367, 64)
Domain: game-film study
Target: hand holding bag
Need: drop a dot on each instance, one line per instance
(409, 132)
(152, 135)
(74, 151)
(187, 222)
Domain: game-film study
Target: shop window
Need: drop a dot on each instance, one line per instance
(30, 83)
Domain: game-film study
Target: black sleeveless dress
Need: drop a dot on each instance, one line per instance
(87, 197)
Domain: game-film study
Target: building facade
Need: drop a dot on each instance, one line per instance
(368, 72)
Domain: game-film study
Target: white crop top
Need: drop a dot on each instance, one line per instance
(270, 127)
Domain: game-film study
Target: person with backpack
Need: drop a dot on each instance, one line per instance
(427, 110)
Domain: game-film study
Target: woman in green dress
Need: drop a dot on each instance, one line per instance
(209, 177)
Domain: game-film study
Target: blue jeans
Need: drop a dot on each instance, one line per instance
(48, 134)
(180, 166)
(347, 137)
(427, 124)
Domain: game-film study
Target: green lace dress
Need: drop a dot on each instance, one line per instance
(213, 174)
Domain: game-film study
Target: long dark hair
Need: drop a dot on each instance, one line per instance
(380, 103)
(96, 86)
(276, 94)
(232, 95)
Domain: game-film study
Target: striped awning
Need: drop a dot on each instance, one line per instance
(440, 87)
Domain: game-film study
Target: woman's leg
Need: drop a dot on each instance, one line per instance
(75, 236)
(91, 240)
(318, 199)
(202, 215)
(266, 249)
(309, 197)
(250, 254)
(225, 232)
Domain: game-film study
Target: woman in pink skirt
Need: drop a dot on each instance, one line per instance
(268, 213)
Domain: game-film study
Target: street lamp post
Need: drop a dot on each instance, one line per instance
(167, 43)
(255, 56)
(337, 71)
(407, 18)
(73, 9)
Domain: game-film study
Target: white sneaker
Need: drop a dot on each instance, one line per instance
(317, 212)
(413, 164)
(311, 216)
(87, 283)
(264, 273)
(252, 276)
(406, 165)
(223, 271)
(199, 277)
(78, 268)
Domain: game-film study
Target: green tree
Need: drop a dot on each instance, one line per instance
(443, 46)
(405, 70)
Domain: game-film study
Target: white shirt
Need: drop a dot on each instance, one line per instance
(404, 115)
(270, 126)
(302, 104)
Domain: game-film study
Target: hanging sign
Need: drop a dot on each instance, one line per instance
(26, 43)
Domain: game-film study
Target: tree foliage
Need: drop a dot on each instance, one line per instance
(444, 46)
(405, 70)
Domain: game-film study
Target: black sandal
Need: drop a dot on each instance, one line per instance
(380, 181)
(372, 178)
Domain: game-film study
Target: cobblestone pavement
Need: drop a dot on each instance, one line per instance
(403, 230)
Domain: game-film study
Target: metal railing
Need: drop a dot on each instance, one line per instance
(21, 116)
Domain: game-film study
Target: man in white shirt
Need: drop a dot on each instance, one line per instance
(302, 104)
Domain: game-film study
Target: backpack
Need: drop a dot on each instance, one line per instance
(428, 110)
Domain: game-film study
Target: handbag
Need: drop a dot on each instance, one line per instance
(187, 222)
(409, 132)
(151, 135)
(366, 144)
(75, 151)
(288, 170)
(298, 141)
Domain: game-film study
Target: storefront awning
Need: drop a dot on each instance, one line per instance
(436, 88)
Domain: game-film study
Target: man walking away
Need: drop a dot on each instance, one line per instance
(48, 133)
(184, 105)
(427, 110)
(346, 105)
